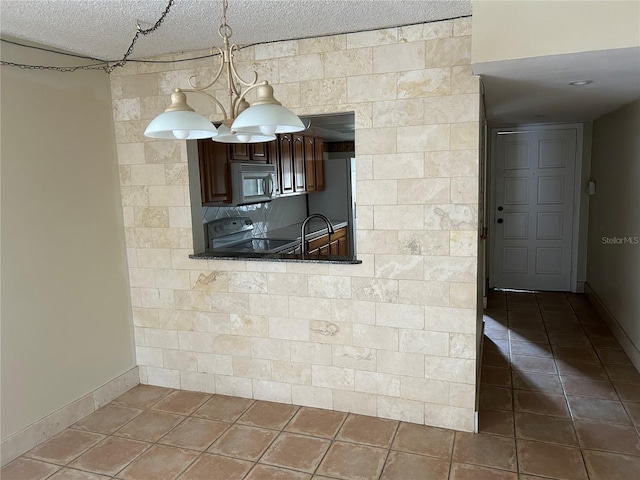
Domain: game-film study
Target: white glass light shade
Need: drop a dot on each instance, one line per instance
(180, 121)
(225, 136)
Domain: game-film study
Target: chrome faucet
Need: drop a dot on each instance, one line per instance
(304, 226)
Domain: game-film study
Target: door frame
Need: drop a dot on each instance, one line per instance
(577, 191)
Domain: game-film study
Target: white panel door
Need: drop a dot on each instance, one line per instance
(533, 216)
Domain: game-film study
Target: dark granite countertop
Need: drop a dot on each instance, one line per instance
(274, 257)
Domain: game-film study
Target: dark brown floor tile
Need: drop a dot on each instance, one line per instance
(629, 392)
(497, 422)
(181, 402)
(539, 382)
(223, 408)
(569, 339)
(530, 325)
(597, 329)
(461, 471)
(107, 419)
(268, 415)
(576, 369)
(143, 396)
(604, 342)
(633, 410)
(556, 308)
(352, 462)
(110, 456)
(401, 466)
(377, 432)
(552, 298)
(610, 466)
(243, 442)
(498, 347)
(541, 403)
(25, 468)
(215, 467)
(613, 356)
(560, 318)
(611, 438)
(424, 440)
(589, 388)
(316, 422)
(520, 335)
(496, 334)
(577, 354)
(297, 452)
(597, 410)
(523, 315)
(72, 474)
(545, 429)
(159, 463)
(499, 377)
(495, 359)
(492, 316)
(485, 450)
(531, 349)
(496, 398)
(266, 472)
(195, 433)
(533, 364)
(65, 446)
(497, 300)
(150, 426)
(623, 373)
(553, 461)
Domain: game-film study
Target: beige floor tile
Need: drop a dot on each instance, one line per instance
(485, 450)
(159, 463)
(25, 468)
(142, 396)
(268, 415)
(496, 398)
(545, 429)
(223, 408)
(352, 462)
(64, 447)
(586, 387)
(607, 437)
(150, 426)
(296, 452)
(497, 422)
(424, 440)
(110, 456)
(181, 402)
(628, 392)
(247, 443)
(539, 382)
(400, 466)
(377, 432)
(316, 422)
(597, 410)
(540, 403)
(499, 377)
(71, 474)
(216, 467)
(461, 471)
(266, 472)
(195, 433)
(610, 466)
(107, 419)
(548, 460)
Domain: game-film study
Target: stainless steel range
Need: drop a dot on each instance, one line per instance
(235, 234)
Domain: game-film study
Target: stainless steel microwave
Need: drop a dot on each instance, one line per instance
(252, 183)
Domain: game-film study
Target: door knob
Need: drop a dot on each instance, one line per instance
(500, 208)
(500, 220)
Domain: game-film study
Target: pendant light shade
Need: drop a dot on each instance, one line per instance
(180, 122)
(226, 136)
(267, 115)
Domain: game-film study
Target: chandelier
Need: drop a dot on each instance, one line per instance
(241, 122)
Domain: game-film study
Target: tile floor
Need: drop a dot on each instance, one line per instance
(559, 399)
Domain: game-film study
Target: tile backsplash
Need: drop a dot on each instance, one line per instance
(269, 216)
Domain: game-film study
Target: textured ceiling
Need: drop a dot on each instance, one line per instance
(104, 28)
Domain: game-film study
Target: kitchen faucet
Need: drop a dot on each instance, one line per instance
(304, 226)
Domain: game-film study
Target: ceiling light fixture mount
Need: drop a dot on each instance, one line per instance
(580, 83)
(241, 122)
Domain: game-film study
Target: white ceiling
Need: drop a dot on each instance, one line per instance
(104, 28)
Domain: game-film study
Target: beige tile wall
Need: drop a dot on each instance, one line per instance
(393, 337)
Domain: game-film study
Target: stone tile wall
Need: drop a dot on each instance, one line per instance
(393, 337)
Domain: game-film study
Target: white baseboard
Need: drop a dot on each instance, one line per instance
(45, 428)
(627, 345)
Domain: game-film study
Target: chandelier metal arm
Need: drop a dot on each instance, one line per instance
(203, 92)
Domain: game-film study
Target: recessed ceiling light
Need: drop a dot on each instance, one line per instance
(579, 83)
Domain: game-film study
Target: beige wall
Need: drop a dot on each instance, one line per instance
(394, 337)
(504, 30)
(66, 319)
(613, 270)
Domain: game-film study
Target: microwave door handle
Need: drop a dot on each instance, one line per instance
(269, 184)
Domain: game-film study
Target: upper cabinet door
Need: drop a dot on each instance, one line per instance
(286, 163)
(309, 164)
(298, 163)
(318, 144)
(215, 182)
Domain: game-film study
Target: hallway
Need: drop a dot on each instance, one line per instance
(559, 400)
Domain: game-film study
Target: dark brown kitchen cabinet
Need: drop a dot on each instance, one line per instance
(215, 182)
(285, 151)
(318, 154)
(299, 184)
(249, 152)
(334, 244)
(274, 159)
(309, 164)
